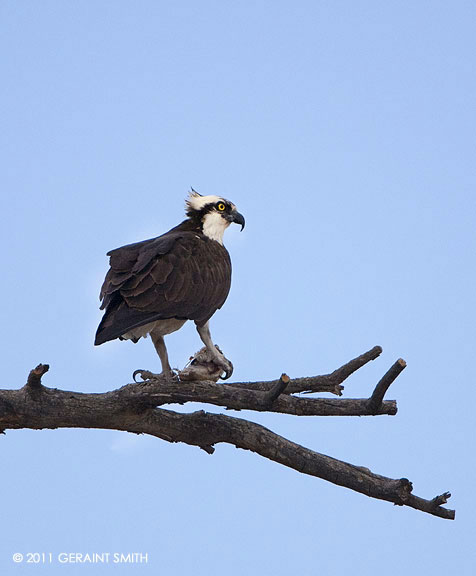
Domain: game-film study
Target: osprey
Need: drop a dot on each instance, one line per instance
(155, 286)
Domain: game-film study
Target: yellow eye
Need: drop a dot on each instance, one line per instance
(221, 206)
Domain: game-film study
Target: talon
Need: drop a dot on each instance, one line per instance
(137, 373)
(227, 367)
(148, 375)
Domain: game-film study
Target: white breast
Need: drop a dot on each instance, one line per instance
(163, 327)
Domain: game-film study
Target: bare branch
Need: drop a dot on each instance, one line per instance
(215, 428)
(34, 378)
(441, 499)
(325, 383)
(375, 401)
(159, 392)
(273, 394)
(133, 408)
(433, 506)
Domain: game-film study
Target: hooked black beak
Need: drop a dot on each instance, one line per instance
(238, 218)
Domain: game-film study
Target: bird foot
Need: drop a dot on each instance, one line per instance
(207, 365)
(146, 375)
(224, 364)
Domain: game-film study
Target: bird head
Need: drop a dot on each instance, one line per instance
(213, 213)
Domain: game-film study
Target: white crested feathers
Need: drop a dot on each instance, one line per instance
(196, 201)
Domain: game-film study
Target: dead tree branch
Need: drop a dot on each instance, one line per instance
(134, 408)
(34, 378)
(375, 401)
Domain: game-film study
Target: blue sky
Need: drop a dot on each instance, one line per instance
(345, 133)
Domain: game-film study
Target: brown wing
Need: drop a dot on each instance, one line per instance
(178, 275)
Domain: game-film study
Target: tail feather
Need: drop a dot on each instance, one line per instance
(119, 319)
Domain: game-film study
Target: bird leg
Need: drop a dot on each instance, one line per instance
(217, 357)
(159, 344)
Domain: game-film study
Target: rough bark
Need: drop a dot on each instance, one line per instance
(134, 408)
